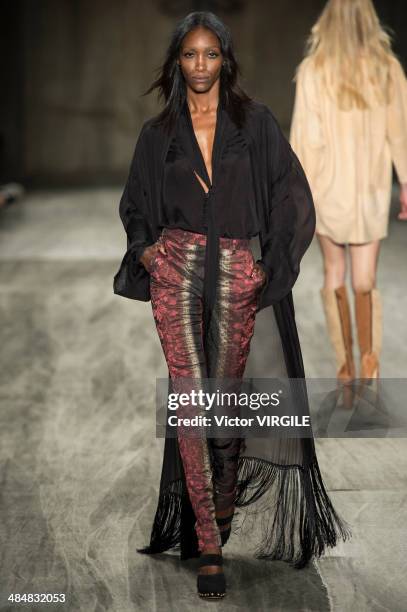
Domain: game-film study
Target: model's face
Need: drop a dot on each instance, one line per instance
(200, 59)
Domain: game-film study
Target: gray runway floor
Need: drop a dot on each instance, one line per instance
(79, 461)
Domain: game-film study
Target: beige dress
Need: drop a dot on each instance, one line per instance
(347, 156)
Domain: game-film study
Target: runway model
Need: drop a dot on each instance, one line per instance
(349, 124)
(210, 172)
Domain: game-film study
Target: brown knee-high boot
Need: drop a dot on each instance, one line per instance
(368, 312)
(338, 318)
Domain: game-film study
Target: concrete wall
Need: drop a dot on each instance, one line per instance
(86, 63)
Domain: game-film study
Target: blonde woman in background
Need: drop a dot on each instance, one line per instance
(349, 125)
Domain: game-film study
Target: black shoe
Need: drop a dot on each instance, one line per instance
(211, 586)
(225, 533)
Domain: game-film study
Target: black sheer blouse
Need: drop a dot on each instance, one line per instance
(227, 208)
(185, 203)
(253, 158)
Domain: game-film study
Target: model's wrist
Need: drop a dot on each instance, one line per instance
(262, 265)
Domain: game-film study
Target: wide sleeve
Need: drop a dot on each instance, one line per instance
(131, 279)
(307, 132)
(397, 121)
(291, 216)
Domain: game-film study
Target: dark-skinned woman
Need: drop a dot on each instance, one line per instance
(210, 173)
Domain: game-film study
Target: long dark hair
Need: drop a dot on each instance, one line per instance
(171, 84)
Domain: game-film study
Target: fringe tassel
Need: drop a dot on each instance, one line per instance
(166, 530)
(296, 515)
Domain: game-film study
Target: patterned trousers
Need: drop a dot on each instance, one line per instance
(176, 288)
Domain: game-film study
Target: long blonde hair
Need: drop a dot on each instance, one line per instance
(353, 52)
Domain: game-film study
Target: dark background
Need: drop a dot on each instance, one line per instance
(72, 72)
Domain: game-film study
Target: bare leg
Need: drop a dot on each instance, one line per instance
(336, 306)
(334, 256)
(364, 258)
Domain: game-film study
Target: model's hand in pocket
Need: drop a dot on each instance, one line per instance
(259, 272)
(150, 253)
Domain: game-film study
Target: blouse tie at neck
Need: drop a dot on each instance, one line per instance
(211, 267)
